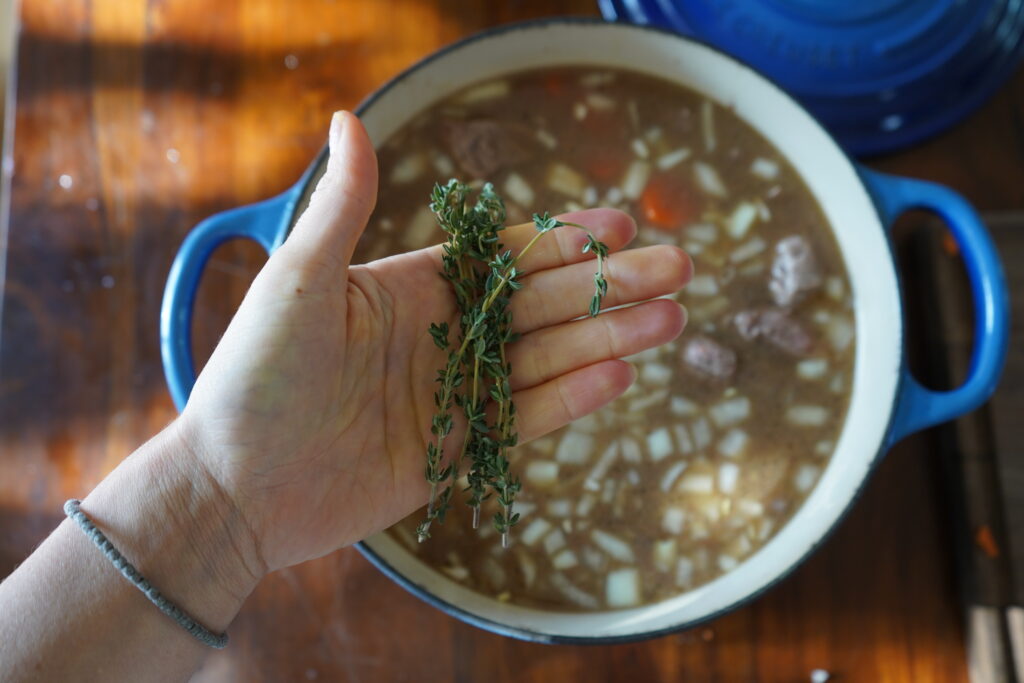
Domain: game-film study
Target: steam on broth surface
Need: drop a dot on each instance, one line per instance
(729, 427)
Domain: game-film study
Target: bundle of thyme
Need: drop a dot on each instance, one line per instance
(476, 376)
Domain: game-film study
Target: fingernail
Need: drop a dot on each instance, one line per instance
(334, 136)
(635, 370)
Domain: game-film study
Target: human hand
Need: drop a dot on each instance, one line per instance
(313, 412)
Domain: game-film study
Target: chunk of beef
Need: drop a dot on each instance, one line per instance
(794, 270)
(708, 357)
(482, 147)
(777, 327)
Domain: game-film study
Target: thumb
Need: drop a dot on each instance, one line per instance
(344, 197)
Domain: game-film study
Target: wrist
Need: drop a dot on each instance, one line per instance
(168, 516)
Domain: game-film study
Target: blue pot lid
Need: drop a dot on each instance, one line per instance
(879, 74)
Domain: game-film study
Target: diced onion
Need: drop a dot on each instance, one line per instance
(565, 180)
(535, 530)
(518, 190)
(824, 447)
(647, 400)
(812, 368)
(594, 559)
(622, 588)
(655, 236)
(726, 562)
(542, 472)
(741, 220)
(807, 416)
(600, 469)
(702, 285)
(590, 196)
(554, 541)
(672, 520)
(527, 566)
(751, 508)
(656, 373)
(840, 332)
(765, 169)
(728, 477)
(559, 507)
(630, 450)
(457, 573)
(671, 474)
(573, 593)
(748, 250)
(708, 179)
(835, 288)
(659, 444)
(521, 507)
(684, 443)
(494, 572)
(696, 483)
(608, 491)
(613, 545)
(585, 504)
(546, 138)
(408, 168)
(575, 448)
(485, 91)
(684, 572)
(731, 411)
(566, 559)
(664, 554)
(640, 148)
(635, 179)
(733, 443)
(682, 406)
(806, 476)
(595, 79)
(670, 160)
(599, 101)
(701, 431)
(443, 165)
(579, 111)
(707, 125)
(613, 195)
(706, 233)
(545, 445)
(421, 229)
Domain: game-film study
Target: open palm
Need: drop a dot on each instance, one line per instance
(314, 409)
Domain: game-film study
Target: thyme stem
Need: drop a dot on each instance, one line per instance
(483, 276)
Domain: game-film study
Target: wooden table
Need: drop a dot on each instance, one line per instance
(136, 119)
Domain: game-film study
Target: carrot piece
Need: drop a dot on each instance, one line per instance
(554, 84)
(986, 540)
(667, 203)
(604, 164)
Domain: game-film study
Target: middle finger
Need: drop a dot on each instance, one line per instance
(561, 294)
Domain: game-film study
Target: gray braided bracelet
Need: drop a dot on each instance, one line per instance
(73, 510)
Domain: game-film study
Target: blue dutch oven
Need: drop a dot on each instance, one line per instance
(886, 402)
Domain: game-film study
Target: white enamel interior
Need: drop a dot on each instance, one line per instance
(832, 179)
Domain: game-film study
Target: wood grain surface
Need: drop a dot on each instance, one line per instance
(136, 119)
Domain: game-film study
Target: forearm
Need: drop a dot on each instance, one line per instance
(68, 614)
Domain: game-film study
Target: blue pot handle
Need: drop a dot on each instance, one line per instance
(265, 223)
(917, 407)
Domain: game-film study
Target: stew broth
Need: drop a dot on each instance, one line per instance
(729, 427)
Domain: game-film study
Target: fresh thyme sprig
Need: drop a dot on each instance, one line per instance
(477, 375)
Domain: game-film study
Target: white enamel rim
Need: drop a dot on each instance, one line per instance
(833, 180)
